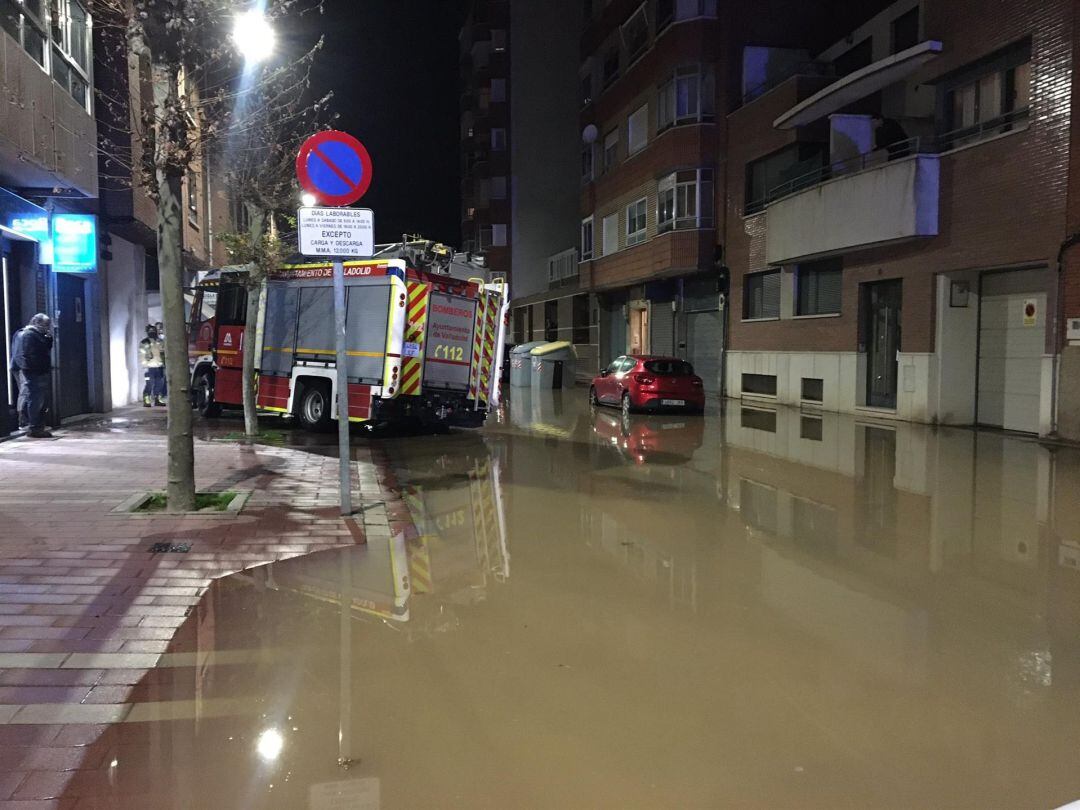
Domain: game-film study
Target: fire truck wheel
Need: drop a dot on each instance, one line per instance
(314, 411)
(204, 396)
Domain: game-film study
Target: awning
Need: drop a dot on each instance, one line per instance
(860, 84)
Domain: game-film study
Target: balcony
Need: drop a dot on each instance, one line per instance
(47, 137)
(563, 268)
(883, 196)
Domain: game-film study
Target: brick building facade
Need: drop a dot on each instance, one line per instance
(904, 258)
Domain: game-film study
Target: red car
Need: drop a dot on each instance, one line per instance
(648, 383)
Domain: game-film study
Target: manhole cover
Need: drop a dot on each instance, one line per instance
(170, 548)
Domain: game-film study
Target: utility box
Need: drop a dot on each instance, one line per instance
(553, 365)
(521, 364)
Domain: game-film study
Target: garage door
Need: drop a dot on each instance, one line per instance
(661, 328)
(704, 335)
(1012, 338)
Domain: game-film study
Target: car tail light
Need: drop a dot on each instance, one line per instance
(644, 379)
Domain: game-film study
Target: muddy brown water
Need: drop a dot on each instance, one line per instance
(757, 608)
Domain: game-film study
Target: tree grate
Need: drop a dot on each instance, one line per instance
(170, 548)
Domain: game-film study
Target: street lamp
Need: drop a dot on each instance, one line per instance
(307, 200)
(254, 36)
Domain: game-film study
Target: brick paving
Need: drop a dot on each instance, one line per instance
(87, 613)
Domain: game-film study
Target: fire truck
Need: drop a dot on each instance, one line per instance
(425, 331)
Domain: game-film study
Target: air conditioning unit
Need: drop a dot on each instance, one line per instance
(1072, 329)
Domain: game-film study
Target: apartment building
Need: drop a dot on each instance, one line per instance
(519, 131)
(485, 132)
(48, 186)
(657, 80)
(899, 213)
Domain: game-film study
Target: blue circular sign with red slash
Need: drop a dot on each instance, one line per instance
(334, 167)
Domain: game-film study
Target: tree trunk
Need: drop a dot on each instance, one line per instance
(251, 322)
(256, 225)
(180, 484)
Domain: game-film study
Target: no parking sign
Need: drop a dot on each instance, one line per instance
(334, 167)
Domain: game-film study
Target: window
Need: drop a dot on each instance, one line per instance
(782, 172)
(231, 305)
(813, 389)
(990, 99)
(498, 90)
(193, 198)
(761, 295)
(587, 238)
(498, 139)
(669, 368)
(817, 288)
(611, 234)
(635, 34)
(685, 200)
(498, 236)
(759, 384)
(485, 236)
(611, 150)
(551, 320)
(637, 129)
(586, 90)
(905, 30)
(71, 31)
(635, 222)
(581, 319)
(611, 64)
(855, 58)
(587, 162)
(498, 188)
(498, 40)
(686, 98)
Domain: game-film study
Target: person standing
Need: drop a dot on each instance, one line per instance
(32, 359)
(152, 354)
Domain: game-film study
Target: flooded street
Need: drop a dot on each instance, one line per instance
(754, 608)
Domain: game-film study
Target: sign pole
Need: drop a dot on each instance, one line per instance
(342, 388)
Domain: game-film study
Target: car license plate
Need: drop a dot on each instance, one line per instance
(673, 402)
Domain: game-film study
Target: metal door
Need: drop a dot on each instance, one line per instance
(883, 301)
(1012, 341)
(71, 336)
(662, 328)
(704, 346)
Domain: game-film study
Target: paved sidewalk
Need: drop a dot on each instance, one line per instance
(86, 611)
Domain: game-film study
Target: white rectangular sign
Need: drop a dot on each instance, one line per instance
(344, 233)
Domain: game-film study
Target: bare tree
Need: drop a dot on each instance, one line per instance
(259, 162)
(182, 50)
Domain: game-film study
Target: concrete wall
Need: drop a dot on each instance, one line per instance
(544, 139)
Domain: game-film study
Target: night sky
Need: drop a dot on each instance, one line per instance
(393, 68)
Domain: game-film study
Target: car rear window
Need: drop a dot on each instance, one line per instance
(669, 368)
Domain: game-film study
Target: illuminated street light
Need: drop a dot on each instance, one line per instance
(270, 744)
(307, 200)
(254, 36)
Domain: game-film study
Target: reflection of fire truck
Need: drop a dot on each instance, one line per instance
(422, 344)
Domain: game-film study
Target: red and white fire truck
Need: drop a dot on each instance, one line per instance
(424, 339)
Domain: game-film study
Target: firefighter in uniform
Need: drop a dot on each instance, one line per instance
(152, 355)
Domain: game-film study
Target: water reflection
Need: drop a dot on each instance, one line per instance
(792, 609)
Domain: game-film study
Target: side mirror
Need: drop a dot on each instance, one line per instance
(604, 372)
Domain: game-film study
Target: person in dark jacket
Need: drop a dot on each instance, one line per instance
(32, 361)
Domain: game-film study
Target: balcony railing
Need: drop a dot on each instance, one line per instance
(923, 145)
